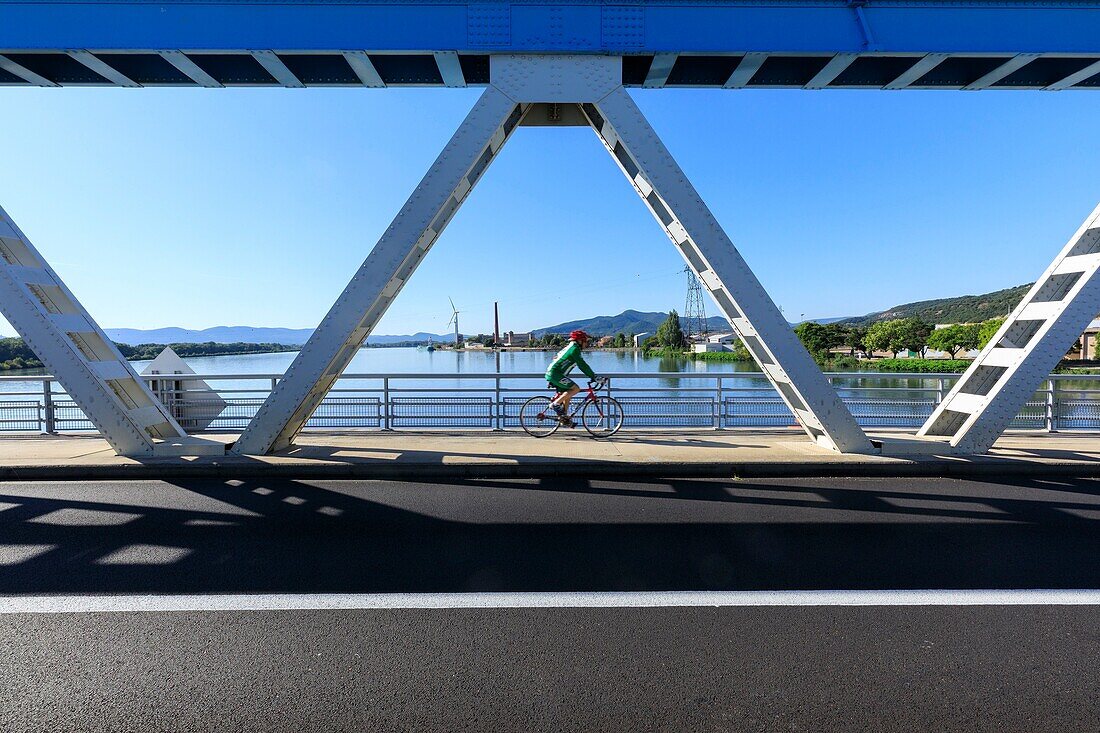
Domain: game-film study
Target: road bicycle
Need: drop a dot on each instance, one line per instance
(601, 415)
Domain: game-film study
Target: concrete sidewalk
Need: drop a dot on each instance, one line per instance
(437, 454)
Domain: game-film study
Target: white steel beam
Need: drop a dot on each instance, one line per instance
(1075, 78)
(450, 68)
(1016, 62)
(749, 64)
(836, 66)
(698, 236)
(380, 278)
(363, 67)
(74, 349)
(24, 73)
(104, 69)
(917, 70)
(1033, 339)
(594, 82)
(279, 71)
(190, 69)
(659, 70)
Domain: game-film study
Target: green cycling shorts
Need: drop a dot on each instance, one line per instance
(560, 383)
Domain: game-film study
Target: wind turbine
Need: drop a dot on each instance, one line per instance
(454, 319)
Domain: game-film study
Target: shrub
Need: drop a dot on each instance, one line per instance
(921, 366)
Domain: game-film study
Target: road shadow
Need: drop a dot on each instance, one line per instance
(549, 535)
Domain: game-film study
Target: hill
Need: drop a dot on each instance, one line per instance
(218, 334)
(248, 335)
(960, 309)
(628, 322)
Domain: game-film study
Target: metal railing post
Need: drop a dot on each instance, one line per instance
(386, 416)
(939, 391)
(498, 409)
(48, 407)
(608, 385)
(1051, 413)
(718, 403)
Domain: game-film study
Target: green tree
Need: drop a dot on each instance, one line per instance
(902, 333)
(884, 336)
(955, 338)
(740, 351)
(914, 334)
(855, 338)
(669, 333)
(14, 354)
(987, 330)
(819, 339)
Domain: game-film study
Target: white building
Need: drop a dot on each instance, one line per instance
(717, 342)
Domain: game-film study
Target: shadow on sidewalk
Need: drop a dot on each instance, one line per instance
(554, 534)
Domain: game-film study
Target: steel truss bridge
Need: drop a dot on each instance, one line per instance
(551, 63)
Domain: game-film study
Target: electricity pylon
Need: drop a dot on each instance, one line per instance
(695, 312)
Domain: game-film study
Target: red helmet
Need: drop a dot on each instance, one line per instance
(578, 335)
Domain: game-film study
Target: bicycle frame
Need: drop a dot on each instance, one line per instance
(599, 422)
(578, 405)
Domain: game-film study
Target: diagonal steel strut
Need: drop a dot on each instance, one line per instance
(67, 339)
(380, 278)
(516, 82)
(699, 238)
(1030, 343)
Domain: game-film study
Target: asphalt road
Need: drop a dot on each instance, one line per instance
(983, 668)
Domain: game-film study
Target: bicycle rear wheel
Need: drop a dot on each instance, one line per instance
(538, 418)
(602, 417)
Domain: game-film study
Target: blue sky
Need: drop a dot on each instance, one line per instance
(199, 208)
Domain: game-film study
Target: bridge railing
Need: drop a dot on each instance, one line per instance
(490, 401)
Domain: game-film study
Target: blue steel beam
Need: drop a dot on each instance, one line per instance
(652, 26)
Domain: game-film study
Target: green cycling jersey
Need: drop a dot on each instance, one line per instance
(564, 362)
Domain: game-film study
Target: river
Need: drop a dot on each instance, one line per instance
(410, 360)
(396, 361)
(910, 398)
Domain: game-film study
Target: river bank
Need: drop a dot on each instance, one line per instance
(15, 355)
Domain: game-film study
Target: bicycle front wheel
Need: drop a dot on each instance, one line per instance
(538, 418)
(602, 417)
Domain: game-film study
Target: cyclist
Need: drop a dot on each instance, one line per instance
(563, 363)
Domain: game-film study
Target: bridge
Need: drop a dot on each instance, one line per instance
(552, 64)
(890, 44)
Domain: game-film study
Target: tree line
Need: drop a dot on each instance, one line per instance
(900, 334)
(822, 339)
(14, 354)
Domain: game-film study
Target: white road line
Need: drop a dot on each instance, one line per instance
(676, 599)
